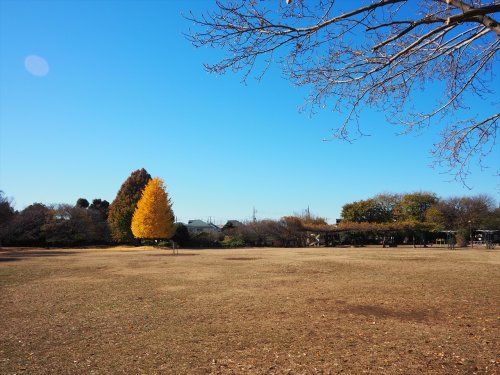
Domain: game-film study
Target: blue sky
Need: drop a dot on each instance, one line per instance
(126, 90)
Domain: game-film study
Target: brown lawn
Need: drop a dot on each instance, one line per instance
(251, 311)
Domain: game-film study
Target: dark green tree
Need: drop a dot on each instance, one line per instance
(26, 226)
(82, 203)
(102, 206)
(181, 235)
(69, 225)
(6, 210)
(6, 215)
(123, 207)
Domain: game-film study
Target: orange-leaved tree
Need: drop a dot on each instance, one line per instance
(153, 218)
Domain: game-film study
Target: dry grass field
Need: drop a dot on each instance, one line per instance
(251, 311)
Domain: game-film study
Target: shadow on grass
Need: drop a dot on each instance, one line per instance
(173, 255)
(2, 259)
(241, 258)
(373, 311)
(15, 255)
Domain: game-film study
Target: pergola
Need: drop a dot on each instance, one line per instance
(488, 237)
(384, 230)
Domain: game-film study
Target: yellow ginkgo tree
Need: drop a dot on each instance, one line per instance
(153, 218)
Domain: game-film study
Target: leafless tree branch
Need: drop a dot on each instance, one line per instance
(379, 53)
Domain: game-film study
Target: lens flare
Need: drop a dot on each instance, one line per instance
(36, 65)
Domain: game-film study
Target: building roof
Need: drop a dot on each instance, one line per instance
(200, 224)
(197, 223)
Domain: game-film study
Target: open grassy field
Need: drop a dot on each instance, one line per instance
(256, 311)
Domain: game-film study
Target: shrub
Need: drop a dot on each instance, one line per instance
(232, 242)
(181, 235)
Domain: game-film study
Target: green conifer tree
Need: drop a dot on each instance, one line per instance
(123, 207)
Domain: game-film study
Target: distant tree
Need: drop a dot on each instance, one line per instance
(387, 203)
(6, 209)
(380, 53)
(153, 218)
(476, 210)
(466, 214)
(124, 205)
(492, 221)
(306, 217)
(6, 215)
(82, 203)
(368, 210)
(181, 234)
(413, 206)
(287, 231)
(462, 213)
(102, 206)
(26, 227)
(100, 228)
(232, 242)
(290, 231)
(69, 225)
(436, 216)
(268, 232)
(73, 225)
(250, 233)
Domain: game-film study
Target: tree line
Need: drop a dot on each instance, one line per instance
(142, 211)
(424, 214)
(96, 223)
(417, 218)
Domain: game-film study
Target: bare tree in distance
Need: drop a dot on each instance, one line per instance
(377, 54)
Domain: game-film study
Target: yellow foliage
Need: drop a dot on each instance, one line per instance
(153, 218)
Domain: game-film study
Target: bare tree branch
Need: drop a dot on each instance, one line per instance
(380, 53)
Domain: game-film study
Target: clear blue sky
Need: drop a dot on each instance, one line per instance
(125, 90)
